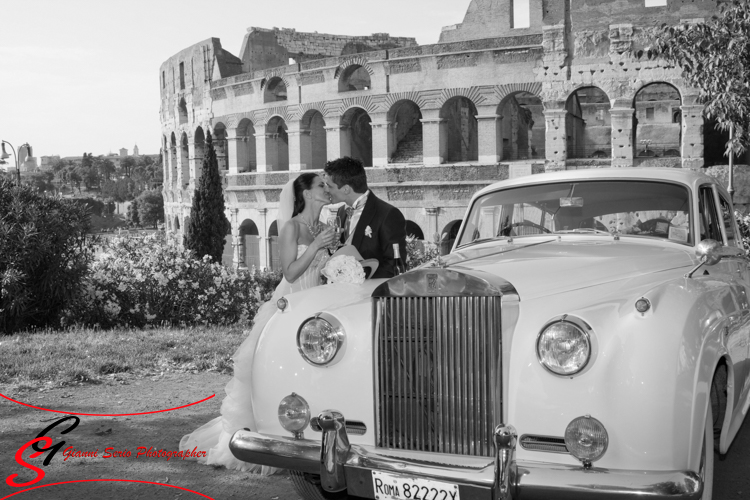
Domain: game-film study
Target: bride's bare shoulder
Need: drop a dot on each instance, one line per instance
(290, 228)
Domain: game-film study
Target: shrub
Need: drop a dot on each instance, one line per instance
(208, 226)
(418, 252)
(743, 221)
(141, 281)
(95, 206)
(44, 255)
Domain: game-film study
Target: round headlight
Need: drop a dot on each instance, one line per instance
(586, 439)
(294, 413)
(319, 339)
(563, 347)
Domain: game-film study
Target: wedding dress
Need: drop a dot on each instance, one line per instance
(237, 407)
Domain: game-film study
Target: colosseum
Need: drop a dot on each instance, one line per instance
(519, 87)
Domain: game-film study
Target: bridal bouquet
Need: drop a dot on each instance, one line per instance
(344, 269)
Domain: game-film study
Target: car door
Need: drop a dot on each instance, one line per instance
(739, 265)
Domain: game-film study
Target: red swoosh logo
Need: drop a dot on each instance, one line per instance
(95, 480)
(107, 414)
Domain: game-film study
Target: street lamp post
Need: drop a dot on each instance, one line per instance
(5, 156)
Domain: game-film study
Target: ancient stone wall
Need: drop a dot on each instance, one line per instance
(493, 18)
(268, 48)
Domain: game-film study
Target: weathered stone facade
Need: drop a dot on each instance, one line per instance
(567, 88)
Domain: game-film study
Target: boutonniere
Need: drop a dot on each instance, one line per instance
(368, 232)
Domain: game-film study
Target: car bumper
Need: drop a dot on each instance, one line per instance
(476, 477)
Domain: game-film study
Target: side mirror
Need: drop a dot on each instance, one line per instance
(709, 253)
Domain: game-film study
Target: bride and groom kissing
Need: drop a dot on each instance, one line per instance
(370, 225)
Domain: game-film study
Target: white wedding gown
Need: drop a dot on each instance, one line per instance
(237, 407)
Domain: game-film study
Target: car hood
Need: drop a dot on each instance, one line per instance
(552, 265)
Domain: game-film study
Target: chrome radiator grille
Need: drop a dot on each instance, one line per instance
(438, 373)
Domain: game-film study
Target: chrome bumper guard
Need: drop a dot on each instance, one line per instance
(343, 466)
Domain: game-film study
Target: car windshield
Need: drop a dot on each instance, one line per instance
(634, 208)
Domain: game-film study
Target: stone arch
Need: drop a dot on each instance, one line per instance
(655, 134)
(274, 89)
(273, 244)
(199, 149)
(413, 229)
(355, 74)
(588, 123)
(220, 145)
(247, 160)
(521, 128)
(176, 223)
(249, 244)
(182, 111)
(277, 144)
(184, 159)
(173, 158)
(406, 143)
(459, 138)
(448, 236)
(313, 140)
(356, 135)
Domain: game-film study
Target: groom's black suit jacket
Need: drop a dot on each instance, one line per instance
(387, 226)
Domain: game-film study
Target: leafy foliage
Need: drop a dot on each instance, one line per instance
(133, 215)
(151, 208)
(715, 59)
(141, 281)
(419, 252)
(208, 226)
(44, 255)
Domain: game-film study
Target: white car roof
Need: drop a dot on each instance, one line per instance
(690, 178)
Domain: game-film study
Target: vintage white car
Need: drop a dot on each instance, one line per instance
(587, 337)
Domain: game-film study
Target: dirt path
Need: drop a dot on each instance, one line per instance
(19, 424)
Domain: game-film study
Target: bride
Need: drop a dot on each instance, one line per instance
(302, 249)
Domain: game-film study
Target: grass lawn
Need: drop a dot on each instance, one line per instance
(79, 356)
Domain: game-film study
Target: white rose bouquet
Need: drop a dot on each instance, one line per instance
(344, 269)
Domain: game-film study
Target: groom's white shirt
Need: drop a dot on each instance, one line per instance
(358, 206)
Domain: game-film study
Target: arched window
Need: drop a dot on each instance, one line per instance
(249, 245)
(356, 135)
(275, 90)
(413, 229)
(246, 158)
(588, 124)
(313, 141)
(459, 131)
(277, 144)
(522, 126)
(182, 109)
(655, 132)
(354, 77)
(406, 126)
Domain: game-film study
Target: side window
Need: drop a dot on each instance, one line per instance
(729, 222)
(710, 228)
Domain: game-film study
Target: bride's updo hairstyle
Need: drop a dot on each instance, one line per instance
(301, 184)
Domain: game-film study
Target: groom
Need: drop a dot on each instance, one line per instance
(373, 225)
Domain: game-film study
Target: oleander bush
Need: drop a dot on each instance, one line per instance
(152, 281)
(743, 222)
(419, 252)
(44, 255)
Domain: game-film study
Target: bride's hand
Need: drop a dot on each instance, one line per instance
(325, 238)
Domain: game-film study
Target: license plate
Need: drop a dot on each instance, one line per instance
(394, 487)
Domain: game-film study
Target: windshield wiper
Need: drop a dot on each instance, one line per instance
(587, 230)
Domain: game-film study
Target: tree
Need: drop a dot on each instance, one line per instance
(105, 167)
(44, 256)
(134, 217)
(715, 59)
(127, 165)
(151, 207)
(208, 226)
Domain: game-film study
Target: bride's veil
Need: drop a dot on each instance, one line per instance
(286, 204)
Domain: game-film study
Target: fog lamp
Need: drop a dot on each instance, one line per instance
(320, 338)
(586, 439)
(563, 346)
(294, 414)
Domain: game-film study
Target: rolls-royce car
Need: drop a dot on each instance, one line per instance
(586, 338)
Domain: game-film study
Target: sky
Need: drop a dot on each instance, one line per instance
(83, 75)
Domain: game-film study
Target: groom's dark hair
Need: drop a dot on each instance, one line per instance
(348, 170)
